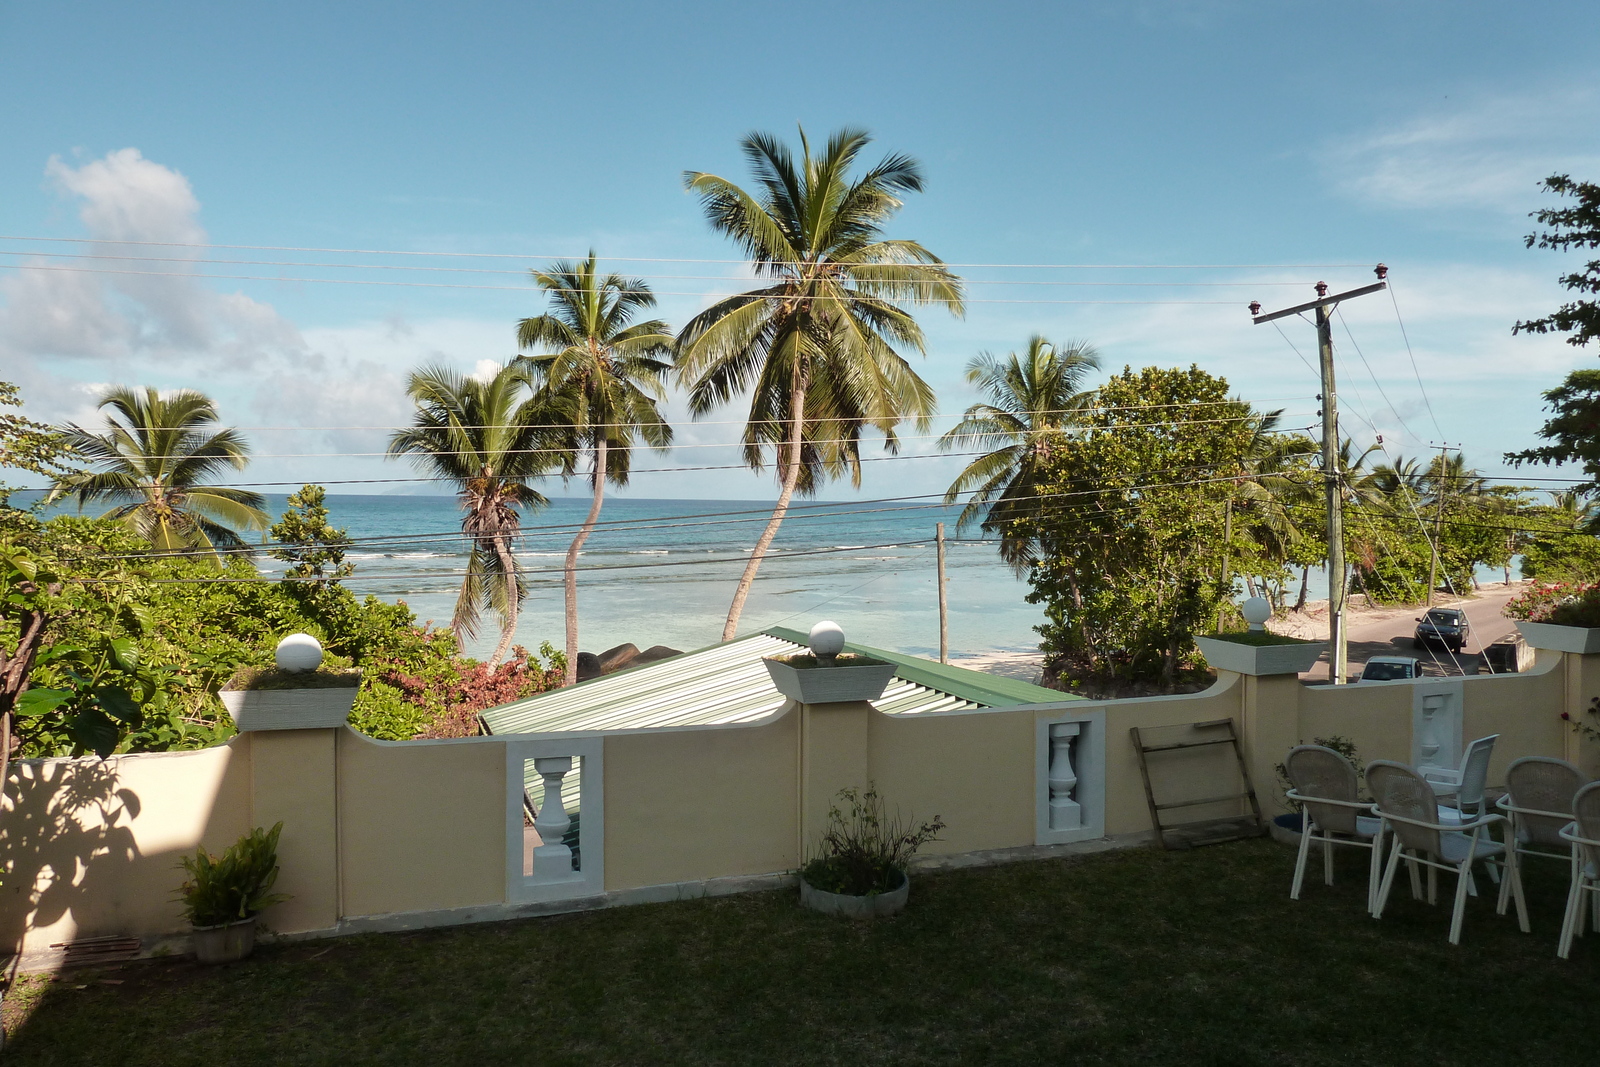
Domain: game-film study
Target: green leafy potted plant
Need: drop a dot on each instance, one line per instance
(1561, 616)
(1257, 651)
(223, 895)
(860, 868)
(824, 676)
(300, 694)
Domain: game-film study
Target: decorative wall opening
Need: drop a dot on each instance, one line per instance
(555, 819)
(1070, 777)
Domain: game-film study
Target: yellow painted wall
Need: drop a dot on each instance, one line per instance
(293, 782)
(973, 769)
(1180, 775)
(689, 804)
(422, 825)
(375, 829)
(91, 847)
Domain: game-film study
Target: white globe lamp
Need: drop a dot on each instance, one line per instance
(826, 641)
(299, 652)
(1256, 611)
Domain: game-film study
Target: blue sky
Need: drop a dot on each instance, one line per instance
(1218, 134)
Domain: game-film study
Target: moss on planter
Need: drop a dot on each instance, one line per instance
(259, 678)
(805, 661)
(1260, 638)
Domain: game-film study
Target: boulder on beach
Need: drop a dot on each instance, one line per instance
(620, 658)
(615, 659)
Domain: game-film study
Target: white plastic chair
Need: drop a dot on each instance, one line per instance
(1584, 835)
(1325, 788)
(1408, 807)
(1466, 783)
(1538, 803)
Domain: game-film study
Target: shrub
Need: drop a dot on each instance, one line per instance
(1561, 603)
(236, 885)
(865, 853)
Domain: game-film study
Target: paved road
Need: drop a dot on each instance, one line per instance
(1391, 635)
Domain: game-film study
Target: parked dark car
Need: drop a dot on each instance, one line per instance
(1390, 669)
(1443, 626)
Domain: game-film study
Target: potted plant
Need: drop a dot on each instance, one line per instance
(860, 869)
(223, 895)
(1257, 651)
(825, 675)
(301, 693)
(1560, 616)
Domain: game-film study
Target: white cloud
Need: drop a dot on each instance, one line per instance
(133, 310)
(1479, 152)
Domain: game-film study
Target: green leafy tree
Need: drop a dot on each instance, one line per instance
(313, 547)
(1577, 226)
(153, 462)
(26, 445)
(816, 345)
(1573, 429)
(1128, 564)
(1561, 543)
(604, 376)
(1029, 401)
(491, 439)
(1575, 403)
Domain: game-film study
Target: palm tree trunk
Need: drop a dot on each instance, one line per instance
(791, 475)
(572, 559)
(1305, 587)
(508, 567)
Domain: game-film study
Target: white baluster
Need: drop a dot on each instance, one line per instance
(1065, 814)
(1431, 706)
(552, 861)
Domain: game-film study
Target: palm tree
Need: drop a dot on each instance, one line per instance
(816, 345)
(1030, 399)
(153, 459)
(605, 376)
(488, 437)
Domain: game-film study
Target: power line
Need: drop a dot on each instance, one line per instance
(524, 289)
(540, 290)
(820, 510)
(1412, 356)
(784, 421)
(1089, 428)
(641, 259)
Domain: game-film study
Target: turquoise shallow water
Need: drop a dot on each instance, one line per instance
(663, 571)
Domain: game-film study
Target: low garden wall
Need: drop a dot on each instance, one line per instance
(388, 835)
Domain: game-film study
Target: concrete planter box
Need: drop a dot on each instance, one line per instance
(1260, 660)
(1579, 640)
(289, 709)
(852, 907)
(227, 943)
(830, 685)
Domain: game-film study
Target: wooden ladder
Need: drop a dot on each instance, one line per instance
(1208, 831)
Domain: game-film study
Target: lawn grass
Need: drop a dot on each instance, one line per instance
(1127, 957)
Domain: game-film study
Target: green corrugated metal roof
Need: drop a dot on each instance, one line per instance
(722, 684)
(727, 683)
(987, 690)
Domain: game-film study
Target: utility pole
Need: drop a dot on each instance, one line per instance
(1438, 521)
(944, 614)
(1332, 476)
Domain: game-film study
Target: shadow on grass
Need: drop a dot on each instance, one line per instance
(1141, 956)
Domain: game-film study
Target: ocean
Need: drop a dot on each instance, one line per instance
(664, 571)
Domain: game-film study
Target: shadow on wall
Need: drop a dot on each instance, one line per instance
(68, 826)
